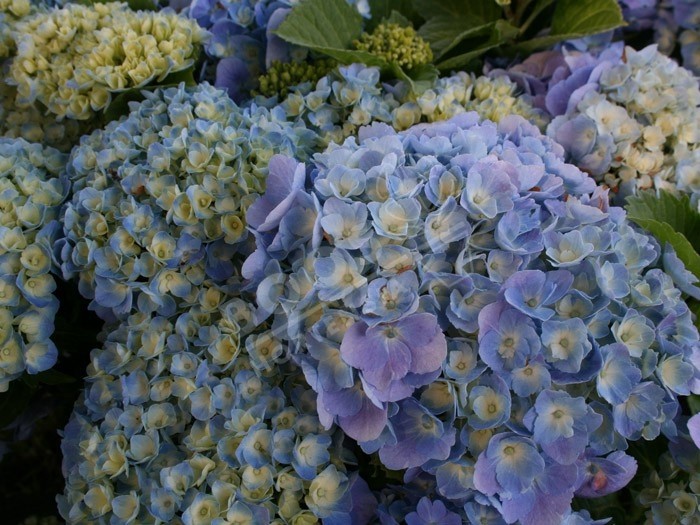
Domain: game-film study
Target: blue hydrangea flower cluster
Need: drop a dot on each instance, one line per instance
(31, 194)
(243, 44)
(160, 197)
(197, 419)
(351, 97)
(468, 306)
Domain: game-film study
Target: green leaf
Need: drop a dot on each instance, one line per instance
(392, 11)
(322, 25)
(119, 106)
(671, 220)
(419, 78)
(397, 18)
(501, 33)
(54, 377)
(694, 404)
(465, 10)
(537, 10)
(576, 19)
(456, 20)
(350, 56)
(444, 34)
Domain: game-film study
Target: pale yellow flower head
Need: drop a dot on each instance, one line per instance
(73, 60)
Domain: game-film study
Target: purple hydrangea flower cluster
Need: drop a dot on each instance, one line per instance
(469, 307)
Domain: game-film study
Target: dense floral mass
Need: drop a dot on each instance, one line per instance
(629, 118)
(159, 198)
(207, 425)
(342, 278)
(460, 298)
(72, 60)
(31, 193)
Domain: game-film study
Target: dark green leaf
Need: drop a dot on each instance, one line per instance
(576, 19)
(54, 377)
(419, 78)
(119, 106)
(397, 18)
(445, 33)
(349, 56)
(322, 24)
(537, 10)
(501, 33)
(670, 219)
(454, 21)
(14, 401)
(388, 10)
(694, 404)
(465, 10)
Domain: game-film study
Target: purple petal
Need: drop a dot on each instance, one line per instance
(694, 429)
(232, 75)
(367, 424)
(427, 343)
(285, 179)
(277, 49)
(558, 97)
(361, 350)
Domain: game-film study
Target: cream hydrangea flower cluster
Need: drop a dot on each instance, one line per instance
(73, 59)
(639, 128)
(352, 96)
(26, 121)
(31, 193)
(11, 12)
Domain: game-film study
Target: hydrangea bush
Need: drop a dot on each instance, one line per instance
(355, 282)
(643, 121)
(674, 22)
(11, 12)
(31, 193)
(467, 305)
(341, 102)
(26, 121)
